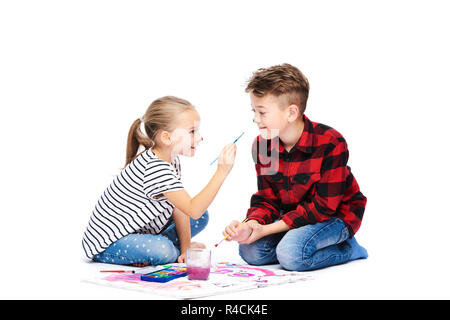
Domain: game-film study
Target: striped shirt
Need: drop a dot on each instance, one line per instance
(133, 202)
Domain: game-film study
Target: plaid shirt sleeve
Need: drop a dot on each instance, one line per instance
(264, 204)
(330, 189)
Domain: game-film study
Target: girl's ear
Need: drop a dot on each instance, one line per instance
(165, 138)
(293, 112)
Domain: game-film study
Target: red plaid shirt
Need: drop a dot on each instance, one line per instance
(309, 184)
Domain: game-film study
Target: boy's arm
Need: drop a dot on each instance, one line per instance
(264, 204)
(259, 231)
(264, 207)
(330, 189)
(252, 230)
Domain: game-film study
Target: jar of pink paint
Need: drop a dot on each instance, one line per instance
(198, 262)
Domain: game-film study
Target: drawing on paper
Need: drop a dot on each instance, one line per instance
(224, 278)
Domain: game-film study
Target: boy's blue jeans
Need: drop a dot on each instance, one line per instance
(155, 249)
(306, 248)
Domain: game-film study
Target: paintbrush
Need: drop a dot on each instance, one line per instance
(233, 143)
(118, 271)
(229, 234)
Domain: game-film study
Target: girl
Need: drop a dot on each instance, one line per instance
(145, 216)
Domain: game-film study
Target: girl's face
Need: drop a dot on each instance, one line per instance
(186, 136)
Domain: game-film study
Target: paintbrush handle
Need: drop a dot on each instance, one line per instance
(229, 234)
(214, 160)
(233, 143)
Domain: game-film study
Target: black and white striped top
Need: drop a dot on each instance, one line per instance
(131, 203)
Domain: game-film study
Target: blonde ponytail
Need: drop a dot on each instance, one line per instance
(136, 139)
(159, 116)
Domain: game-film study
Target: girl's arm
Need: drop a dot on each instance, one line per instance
(196, 206)
(183, 228)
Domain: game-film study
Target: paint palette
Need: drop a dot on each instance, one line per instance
(164, 275)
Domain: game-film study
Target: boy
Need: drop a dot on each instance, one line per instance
(308, 205)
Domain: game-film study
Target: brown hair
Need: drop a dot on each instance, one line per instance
(159, 116)
(279, 80)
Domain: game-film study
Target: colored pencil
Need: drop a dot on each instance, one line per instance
(118, 271)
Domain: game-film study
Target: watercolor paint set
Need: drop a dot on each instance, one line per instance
(166, 274)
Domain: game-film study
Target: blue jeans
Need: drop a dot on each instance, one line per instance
(155, 249)
(309, 247)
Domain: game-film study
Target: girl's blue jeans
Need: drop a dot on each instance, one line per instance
(306, 248)
(155, 249)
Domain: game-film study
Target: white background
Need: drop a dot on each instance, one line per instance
(74, 75)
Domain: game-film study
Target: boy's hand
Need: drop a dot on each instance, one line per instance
(245, 233)
(236, 232)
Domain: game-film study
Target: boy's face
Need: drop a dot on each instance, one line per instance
(271, 114)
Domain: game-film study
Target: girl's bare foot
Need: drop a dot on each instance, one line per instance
(141, 265)
(193, 245)
(198, 245)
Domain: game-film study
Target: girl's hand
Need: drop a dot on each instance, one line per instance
(226, 158)
(182, 256)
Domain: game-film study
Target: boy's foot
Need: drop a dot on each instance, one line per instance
(358, 252)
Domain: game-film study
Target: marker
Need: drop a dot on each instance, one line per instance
(118, 271)
(233, 143)
(229, 234)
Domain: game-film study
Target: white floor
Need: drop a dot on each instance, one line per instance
(413, 273)
(361, 279)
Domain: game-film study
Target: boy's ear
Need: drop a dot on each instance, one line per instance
(293, 112)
